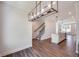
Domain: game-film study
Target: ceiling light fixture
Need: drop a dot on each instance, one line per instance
(43, 11)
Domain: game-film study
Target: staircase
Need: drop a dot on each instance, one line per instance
(37, 34)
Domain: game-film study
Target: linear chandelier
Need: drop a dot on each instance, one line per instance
(43, 8)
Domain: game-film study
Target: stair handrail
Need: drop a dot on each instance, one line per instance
(39, 27)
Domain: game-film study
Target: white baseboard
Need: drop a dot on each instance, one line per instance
(4, 53)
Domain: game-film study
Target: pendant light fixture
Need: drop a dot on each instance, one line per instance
(43, 8)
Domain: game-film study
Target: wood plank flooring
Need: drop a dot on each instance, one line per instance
(44, 48)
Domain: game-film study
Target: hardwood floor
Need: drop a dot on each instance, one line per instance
(45, 48)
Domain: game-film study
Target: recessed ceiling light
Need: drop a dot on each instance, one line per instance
(54, 2)
(69, 13)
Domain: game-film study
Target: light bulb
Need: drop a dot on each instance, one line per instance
(42, 10)
(38, 13)
(35, 15)
(49, 5)
(31, 16)
(54, 2)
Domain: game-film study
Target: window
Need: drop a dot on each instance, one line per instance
(65, 28)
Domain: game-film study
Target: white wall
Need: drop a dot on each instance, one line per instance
(17, 30)
(50, 27)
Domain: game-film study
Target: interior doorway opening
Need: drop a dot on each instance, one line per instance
(69, 28)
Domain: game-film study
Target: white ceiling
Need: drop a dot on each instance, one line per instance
(27, 6)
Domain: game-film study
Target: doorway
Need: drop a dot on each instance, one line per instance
(69, 28)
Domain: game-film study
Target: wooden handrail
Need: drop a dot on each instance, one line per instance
(39, 27)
